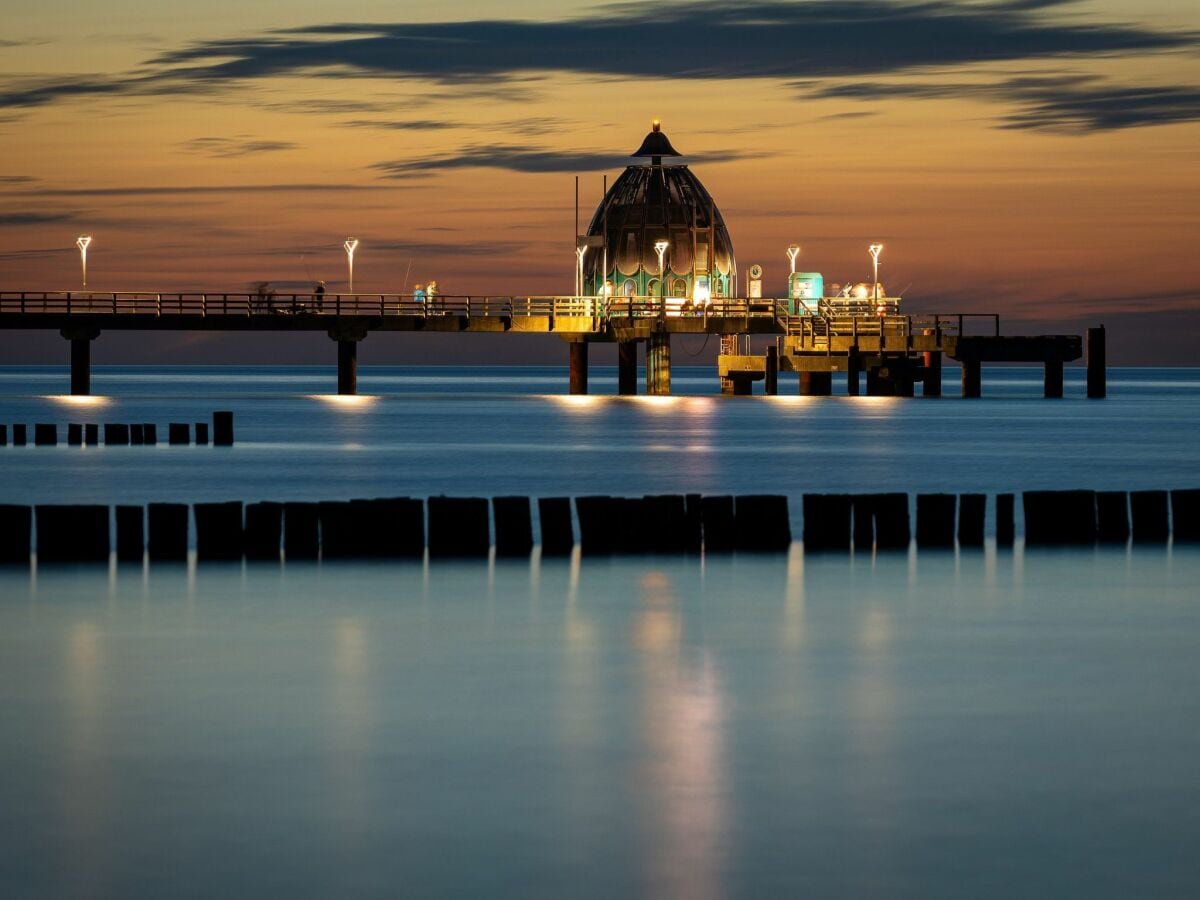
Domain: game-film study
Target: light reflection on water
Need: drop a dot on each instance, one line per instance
(768, 726)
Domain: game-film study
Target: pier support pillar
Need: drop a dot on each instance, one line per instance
(579, 367)
(932, 384)
(1054, 378)
(627, 368)
(972, 378)
(658, 364)
(771, 367)
(853, 367)
(816, 384)
(81, 358)
(1097, 379)
(347, 341)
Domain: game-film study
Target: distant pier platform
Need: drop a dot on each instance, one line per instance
(871, 339)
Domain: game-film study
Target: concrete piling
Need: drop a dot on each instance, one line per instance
(222, 429)
(1060, 517)
(1053, 379)
(458, 526)
(761, 523)
(1097, 378)
(1149, 516)
(972, 379)
(658, 363)
(935, 520)
(1185, 515)
(116, 435)
(262, 531)
(201, 433)
(301, 531)
(45, 434)
(853, 367)
(1112, 517)
(150, 433)
(131, 533)
(513, 520)
(932, 360)
(3, 435)
(74, 434)
(73, 533)
(578, 367)
(892, 529)
(19, 435)
(771, 368)
(16, 533)
(91, 434)
(554, 519)
(179, 433)
(816, 384)
(1006, 527)
(627, 368)
(167, 531)
(219, 531)
(972, 512)
(136, 435)
(397, 526)
(718, 524)
(826, 522)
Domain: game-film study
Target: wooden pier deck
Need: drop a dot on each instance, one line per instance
(894, 351)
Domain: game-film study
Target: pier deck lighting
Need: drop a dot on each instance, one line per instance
(875, 250)
(351, 244)
(580, 253)
(792, 252)
(82, 243)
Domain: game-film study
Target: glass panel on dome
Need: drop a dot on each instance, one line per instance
(701, 256)
(679, 288)
(652, 288)
(629, 288)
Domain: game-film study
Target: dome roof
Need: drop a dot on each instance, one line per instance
(653, 202)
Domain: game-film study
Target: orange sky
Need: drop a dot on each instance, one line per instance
(1044, 164)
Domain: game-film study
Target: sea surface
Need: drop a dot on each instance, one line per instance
(985, 724)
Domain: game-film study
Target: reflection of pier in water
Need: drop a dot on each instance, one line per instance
(894, 351)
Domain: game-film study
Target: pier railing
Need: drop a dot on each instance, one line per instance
(275, 303)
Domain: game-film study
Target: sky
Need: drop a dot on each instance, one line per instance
(1035, 158)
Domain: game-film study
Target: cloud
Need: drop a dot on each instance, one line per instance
(1067, 103)
(229, 147)
(153, 190)
(17, 179)
(534, 126)
(772, 39)
(32, 218)
(525, 159)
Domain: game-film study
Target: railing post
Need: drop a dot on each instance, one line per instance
(997, 315)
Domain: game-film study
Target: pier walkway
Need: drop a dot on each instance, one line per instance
(894, 350)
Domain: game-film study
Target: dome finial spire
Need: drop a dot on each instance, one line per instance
(656, 145)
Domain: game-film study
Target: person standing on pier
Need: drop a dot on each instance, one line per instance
(419, 297)
(432, 290)
(319, 295)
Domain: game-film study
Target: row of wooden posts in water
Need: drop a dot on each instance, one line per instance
(119, 434)
(665, 524)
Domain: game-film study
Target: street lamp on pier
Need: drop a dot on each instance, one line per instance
(82, 243)
(351, 244)
(875, 250)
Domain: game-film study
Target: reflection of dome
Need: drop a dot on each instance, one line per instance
(651, 203)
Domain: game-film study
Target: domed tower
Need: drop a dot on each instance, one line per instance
(650, 203)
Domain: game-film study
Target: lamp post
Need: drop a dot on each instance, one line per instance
(660, 247)
(580, 253)
(792, 252)
(351, 244)
(875, 250)
(82, 243)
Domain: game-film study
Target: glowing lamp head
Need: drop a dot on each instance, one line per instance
(861, 291)
(792, 252)
(82, 242)
(875, 250)
(351, 244)
(701, 295)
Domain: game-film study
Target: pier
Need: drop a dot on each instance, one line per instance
(851, 339)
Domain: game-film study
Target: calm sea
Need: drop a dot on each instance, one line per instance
(984, 724)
